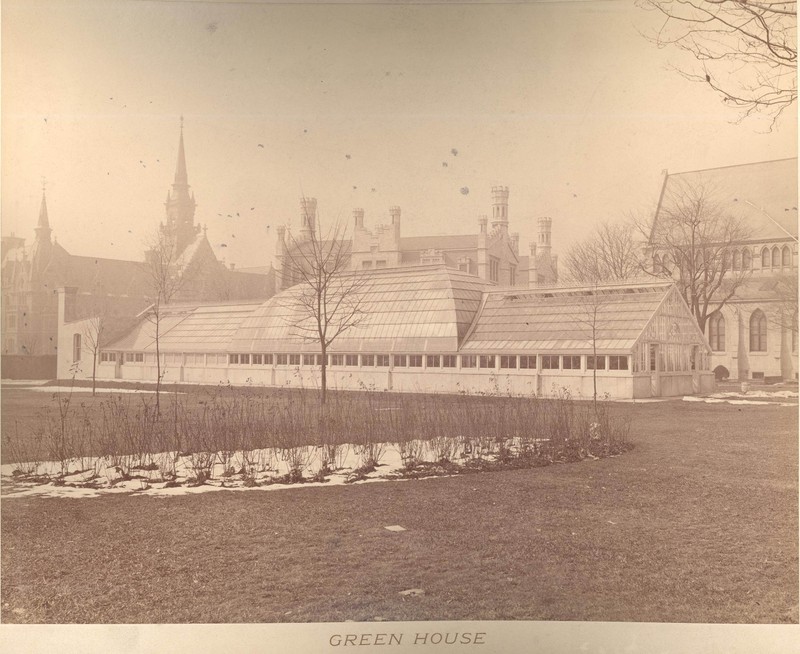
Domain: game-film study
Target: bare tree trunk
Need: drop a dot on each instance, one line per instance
(94, 371)
(323, 375)
(786, 348)
(594, 369)
(743, 361)
(158, 368)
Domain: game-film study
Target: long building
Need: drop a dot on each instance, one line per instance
(492, 253)
(426, 328)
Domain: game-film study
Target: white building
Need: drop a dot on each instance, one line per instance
(754, 336)
(427, 329)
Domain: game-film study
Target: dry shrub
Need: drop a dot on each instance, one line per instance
(242, 429)
(411, 452)
(443, 448)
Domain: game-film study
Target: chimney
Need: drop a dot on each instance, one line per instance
(66, 303)
(233, 266)
(500, 207)
(515, 242)
(394, 212)
(280, 254)
(483, 221)
(358, 218)
(545, 225)
(533, 267)
(308, 216)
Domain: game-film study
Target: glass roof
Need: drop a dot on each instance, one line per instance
(414, 309)
(561, 320)
(187, 328)
(430, 309)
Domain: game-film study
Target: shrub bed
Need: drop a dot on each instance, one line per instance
(229, 436)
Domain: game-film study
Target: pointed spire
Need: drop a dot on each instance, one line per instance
(181, 178)
(44, 221)
(180, 204)
(42, 244)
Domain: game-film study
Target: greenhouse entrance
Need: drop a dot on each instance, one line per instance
(655, 385)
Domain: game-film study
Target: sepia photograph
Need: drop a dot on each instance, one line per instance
(408, 326)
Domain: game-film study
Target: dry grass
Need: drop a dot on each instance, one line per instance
(216, 422)
(698, 523)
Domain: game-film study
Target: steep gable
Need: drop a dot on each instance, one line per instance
(763, 194)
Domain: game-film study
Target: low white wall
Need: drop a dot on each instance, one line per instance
(641, 386)
(708, 383)
(614, 384)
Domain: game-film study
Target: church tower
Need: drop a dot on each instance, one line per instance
(180, 204)
(42, 243)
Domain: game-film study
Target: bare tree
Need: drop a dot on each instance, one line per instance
(786, 290)
(746, 49)
(691, 241)
(785, 316)
(327, 299)
(94, 332)
(588, 308)
(610, 253)
(165, 281)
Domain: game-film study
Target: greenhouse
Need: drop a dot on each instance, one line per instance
(428, 329)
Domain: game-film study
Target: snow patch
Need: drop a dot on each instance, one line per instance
(719, 400)
(168, 474)
(776, 394)
(88, 389)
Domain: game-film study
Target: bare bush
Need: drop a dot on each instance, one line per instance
(22, 453)
(411, 452)
(236, 432)
(443, 448)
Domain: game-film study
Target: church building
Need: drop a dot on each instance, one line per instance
(754, 335)
(32, 276)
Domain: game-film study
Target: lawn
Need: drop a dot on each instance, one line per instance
(698, 523)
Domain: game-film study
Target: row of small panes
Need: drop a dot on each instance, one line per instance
(486, 361)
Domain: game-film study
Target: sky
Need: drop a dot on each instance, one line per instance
(421, 106)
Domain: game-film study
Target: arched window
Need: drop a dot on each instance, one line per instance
(656, 263)
(737, 260)
(747, 260)
(786, 256)
(716, 332)
(726, 260)
(765, 258)
(776, 257)
(76, 347)
(758, 331)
